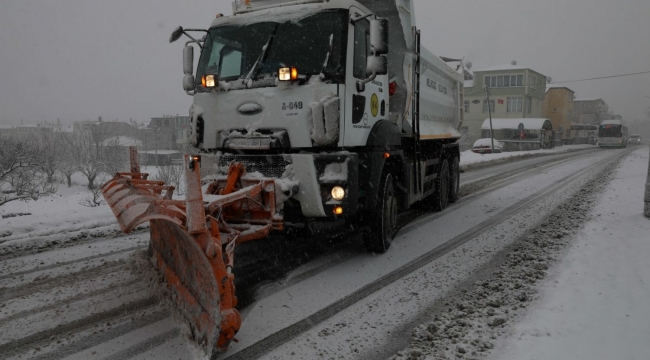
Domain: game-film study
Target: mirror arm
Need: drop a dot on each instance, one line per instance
(198, 42)
(361, 84)
(353, 20)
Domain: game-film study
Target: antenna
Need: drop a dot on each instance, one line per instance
(513, 62)
(468, 65)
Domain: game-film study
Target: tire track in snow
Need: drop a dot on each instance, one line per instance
(65, 301)
(54, 282)
(145, 346)
(66, 263)
(282, 336)
(24, 344)
(104, 337)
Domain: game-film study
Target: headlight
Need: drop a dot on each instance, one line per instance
(338, 193)
(288, 74)
(209, 81)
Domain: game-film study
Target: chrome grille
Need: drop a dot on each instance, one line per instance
(269, 165)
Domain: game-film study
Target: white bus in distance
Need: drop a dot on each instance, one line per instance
(612, 133)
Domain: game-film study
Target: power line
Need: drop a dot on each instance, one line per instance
(602, 77)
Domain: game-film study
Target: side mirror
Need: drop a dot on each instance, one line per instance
(379, 36)
(377, 65)
(188, 60)
(188, 83)
(176, 34)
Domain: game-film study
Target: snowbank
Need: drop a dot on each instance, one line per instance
(595, 305)
(467, 157)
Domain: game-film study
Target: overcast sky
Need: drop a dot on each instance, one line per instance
(79, 59)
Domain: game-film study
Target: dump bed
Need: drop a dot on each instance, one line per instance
(440, 85)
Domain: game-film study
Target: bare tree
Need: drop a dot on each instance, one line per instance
(172, 175)
(49, 154)
(87, 156)
(66, 158)
(114, 155)
(21, 175)
(94, 197)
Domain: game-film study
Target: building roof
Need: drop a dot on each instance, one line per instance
(559, 87)
(529, 123)
(121, 141)
(160, 152)
(589, 100)
(611, 122)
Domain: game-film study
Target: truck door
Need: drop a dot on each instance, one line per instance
(366, 104)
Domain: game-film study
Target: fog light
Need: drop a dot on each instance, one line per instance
(338, 210)
(338, 193)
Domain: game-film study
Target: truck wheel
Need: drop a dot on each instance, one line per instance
(441, 193)
(454, 179)
(383, 221)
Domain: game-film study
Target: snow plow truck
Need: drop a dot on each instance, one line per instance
(313, 112)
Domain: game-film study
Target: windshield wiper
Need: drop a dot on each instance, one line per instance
(260, 59)
(328, 56)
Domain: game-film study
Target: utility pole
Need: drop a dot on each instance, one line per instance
(487, 95)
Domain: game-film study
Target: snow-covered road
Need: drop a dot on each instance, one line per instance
(81, 299)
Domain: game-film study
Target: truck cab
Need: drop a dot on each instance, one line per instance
(318, 96)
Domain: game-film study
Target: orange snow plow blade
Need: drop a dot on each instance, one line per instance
(193, 241)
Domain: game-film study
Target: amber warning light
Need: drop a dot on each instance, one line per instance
(209, 81)
(288, 74)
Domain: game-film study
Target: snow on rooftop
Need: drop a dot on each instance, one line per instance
(611, 122)
(502, 67)
(529, 123)
(160, 152)
(121, 141)
(588, 99)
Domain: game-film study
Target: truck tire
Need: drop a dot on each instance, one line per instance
(440, 195)
(454, 179)
(383, 220)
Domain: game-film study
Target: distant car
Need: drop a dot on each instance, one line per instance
(634, 139)
(482, 146)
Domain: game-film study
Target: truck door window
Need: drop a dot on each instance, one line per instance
(361, 43)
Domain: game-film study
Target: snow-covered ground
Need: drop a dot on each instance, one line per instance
(596, 301)
(62, 213)
(486, 221)
(467, 157)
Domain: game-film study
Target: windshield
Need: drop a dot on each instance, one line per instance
(610, 131)
(314, 44)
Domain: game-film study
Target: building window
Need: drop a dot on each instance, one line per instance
(485, 108)
(532, 81)
(514, 104)
(466, 106)
(504, 81)
(529, 104)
